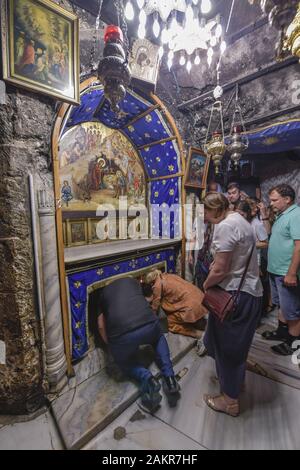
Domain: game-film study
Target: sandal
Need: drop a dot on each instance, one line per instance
(232, 409)
(273, 336)
(283, 349)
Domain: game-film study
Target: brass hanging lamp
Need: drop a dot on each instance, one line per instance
(238, 140)
(216, 147)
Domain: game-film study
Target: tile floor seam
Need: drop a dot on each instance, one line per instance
(50, 434)
(179, 431)
(70, 404)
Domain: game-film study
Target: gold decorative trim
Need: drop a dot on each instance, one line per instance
(260, 129)
(176, 175)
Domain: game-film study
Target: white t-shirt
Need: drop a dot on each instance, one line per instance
(235, 234)
(259, 230)
(260, 234)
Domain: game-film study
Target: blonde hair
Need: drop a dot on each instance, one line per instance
(217, 203)
(151, 276)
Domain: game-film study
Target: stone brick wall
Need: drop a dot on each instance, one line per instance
(25, 130)
(26, 122)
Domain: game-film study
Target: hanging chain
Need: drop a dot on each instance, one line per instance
(119, 7)
(217, 107)
(226, 31)
(230, 16)
(238, 111)
(95, 38)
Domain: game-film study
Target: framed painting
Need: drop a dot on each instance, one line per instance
(144, 61)
(40, 48)
(77, 232)
(197, 169)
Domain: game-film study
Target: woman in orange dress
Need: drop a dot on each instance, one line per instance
(180, 300)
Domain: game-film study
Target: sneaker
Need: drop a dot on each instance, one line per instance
(150, 385)
(151, 402)
(172, 390)
(150, 395)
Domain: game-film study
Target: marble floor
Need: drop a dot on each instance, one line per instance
(269, 420)
(270, 417)
(278, 368)
(17, 433)
(86, 409)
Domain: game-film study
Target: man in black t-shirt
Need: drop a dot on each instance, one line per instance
(126, 321)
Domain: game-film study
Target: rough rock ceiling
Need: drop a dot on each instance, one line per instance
(181, 86)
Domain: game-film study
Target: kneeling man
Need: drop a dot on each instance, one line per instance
(126, 322)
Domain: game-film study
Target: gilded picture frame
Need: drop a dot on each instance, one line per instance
(40, 48)
(196, 169)
(144, 61)
(77, 232)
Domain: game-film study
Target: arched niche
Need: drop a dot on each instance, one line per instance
(147, 130)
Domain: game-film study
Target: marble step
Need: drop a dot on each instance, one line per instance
(85, 410)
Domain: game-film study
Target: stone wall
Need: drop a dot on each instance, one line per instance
(273, 170)
(26, 122)
(25, 129)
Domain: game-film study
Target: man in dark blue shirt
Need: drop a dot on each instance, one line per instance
(126, 321)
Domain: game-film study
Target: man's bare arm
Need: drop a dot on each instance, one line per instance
(291, 279)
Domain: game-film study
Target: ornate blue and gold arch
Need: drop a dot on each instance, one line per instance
(149, 127)
(143, 121)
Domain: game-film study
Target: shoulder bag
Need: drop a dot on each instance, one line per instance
(219, 302)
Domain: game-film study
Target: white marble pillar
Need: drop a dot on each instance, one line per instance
(56, 365)
(2, 92)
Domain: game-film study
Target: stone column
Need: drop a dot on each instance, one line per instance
(56, 365)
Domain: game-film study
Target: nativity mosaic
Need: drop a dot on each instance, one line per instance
(97, 166)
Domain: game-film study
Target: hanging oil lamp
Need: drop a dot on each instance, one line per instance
(216, 147)
(113, 69)
(238, 140)
(237, 146)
